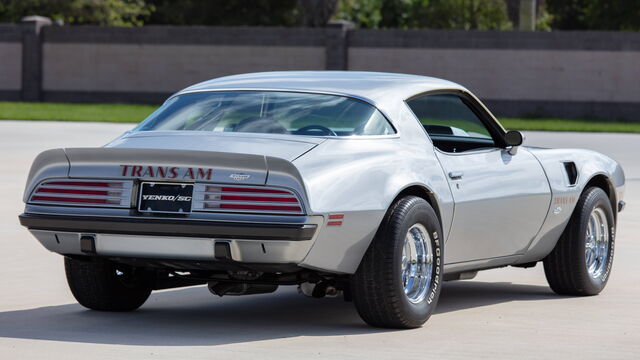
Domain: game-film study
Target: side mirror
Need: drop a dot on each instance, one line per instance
(513, 139)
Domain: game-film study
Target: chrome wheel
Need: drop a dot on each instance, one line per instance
(417, 263)
(597, 243)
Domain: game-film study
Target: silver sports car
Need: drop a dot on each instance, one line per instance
(375, 186)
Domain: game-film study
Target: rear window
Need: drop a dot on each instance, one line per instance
(269, 112)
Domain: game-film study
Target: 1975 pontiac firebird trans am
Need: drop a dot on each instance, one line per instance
(378, 186)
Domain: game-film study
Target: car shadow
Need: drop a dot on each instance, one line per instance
(193, 317)
(461, 295)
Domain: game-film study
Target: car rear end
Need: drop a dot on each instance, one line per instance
(175, 209)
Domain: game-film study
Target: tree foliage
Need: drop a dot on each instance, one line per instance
(226, 12)
(594, 14)
(403, 14)
(312, 13)
(436, 14)
(99, 12)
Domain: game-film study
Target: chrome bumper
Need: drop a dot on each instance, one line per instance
(175, 248)
(175, 239)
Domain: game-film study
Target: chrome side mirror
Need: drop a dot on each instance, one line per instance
(514, 139)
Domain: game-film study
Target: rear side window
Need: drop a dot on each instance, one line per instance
(448, 115)
(272, 112)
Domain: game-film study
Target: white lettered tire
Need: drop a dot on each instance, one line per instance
(397, 284)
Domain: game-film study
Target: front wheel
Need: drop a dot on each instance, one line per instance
(580, 263)
(106, 286)
(398, 282)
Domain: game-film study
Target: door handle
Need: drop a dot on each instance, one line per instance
(456, 175)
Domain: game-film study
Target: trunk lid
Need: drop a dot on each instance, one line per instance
(287, 147)
(167, 165)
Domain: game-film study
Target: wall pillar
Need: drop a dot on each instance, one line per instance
(337, 35)
(32, 57)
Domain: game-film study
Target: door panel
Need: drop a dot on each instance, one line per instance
(501, 201)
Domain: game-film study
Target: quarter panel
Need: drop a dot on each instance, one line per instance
(360, 178)
(48, 164)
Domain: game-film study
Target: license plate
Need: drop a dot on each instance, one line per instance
(165, 197)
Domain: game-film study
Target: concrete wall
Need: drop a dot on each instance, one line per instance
(163, 68)
(574, 74)
(567, 74)
(147, 64)
(10, 62)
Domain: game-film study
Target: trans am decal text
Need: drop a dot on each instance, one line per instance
(166, 172)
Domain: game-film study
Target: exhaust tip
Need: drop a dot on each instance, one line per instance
(88, 244)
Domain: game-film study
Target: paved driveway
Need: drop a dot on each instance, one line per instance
(505, 313)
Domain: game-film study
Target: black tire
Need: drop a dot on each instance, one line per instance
(96, 285)
(377, 286)
(566, 266)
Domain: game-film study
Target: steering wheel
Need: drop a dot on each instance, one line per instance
(310, 129)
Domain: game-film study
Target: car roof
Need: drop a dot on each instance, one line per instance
(375, 87)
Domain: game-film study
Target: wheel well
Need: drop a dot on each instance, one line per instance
(602, 181)
(421, 192)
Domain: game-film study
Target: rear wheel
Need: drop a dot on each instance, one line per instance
(106, 286)
(581, 262)
(398, 282)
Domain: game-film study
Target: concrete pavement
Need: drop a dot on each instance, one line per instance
(505, 313)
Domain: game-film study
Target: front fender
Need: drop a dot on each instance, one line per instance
(589, 165)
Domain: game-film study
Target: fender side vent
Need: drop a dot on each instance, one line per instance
(572, 172)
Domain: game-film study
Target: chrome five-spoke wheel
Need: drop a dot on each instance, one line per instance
(417, 263)
(597, 243)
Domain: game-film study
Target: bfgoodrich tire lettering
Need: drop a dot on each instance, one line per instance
(592, 225)
(379, 289)
(102, 285)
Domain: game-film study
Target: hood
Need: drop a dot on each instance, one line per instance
(288, 147)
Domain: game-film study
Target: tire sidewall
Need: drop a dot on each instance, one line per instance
(420, 213)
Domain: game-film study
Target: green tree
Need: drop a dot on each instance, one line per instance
(99, 12)
(595, 14)
(226, 12)
(435, 14)
(363, 13)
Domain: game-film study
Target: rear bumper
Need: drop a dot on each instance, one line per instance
(204, 241)
(169, 227)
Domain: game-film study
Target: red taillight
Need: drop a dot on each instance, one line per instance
(70, 200)
(260, 207)
(72, 191)
(257, 198)
(83, 192)
(86, 183)
(335, 219)
(245, 199)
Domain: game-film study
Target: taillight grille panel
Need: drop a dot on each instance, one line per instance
(250, 199)
(206, 197)
(80, 192)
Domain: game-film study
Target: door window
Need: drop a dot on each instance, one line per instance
(450, 123)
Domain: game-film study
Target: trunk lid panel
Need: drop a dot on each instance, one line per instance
(287, 147)
(168, 165)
